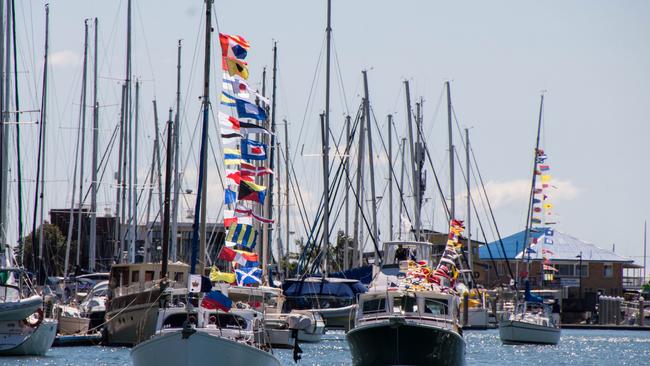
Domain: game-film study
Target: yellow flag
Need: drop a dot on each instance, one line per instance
(235, 67)
(546, 178)
(218, 276)
(548, 206)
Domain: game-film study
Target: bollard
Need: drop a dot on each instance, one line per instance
(641, 311)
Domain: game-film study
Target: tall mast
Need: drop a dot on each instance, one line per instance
(416, 183)
(401, 184)
(287, 183)
(177, 177)
(529, 215)
(325, 131)
(168, 179)
(134, 169)
(346, 255)
(155, 176)
(358, 208)
(82, 133)
(93, 181)
(452, 192)
(419, 162)
(19, 168)
(390, 177)
(203, 171)
(468, 223)
(269, 201)
(645, 247)
(4, 132)
(119, 191)
(41, 240)
(373, 199)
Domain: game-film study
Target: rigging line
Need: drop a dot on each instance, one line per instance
(187, 158)
(311, 91)
(478, 172)
(214, 155)
(105, 156)
(146, 48)
(338, 69)
(392, 173)
(471, 197)
(437, 110)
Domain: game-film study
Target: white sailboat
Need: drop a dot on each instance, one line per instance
(532, 321)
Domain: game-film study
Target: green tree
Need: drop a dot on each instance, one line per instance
(53, 249)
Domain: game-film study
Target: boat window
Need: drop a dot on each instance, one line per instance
(9, 294)
(406, 304)
(229, 321)
(148, 276)
(175, 320)
(374, 306)
(135, 276)
(435, 306)
(124, 277)
(178, 277)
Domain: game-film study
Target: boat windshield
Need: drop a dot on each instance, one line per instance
(397, 252)
(374, 306)
(405, 304)
(435, 306)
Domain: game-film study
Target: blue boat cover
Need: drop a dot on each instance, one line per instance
(296, 287)
(362, 274)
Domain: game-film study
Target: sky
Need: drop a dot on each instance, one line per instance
(589, 58)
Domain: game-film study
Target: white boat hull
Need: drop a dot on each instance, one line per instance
(477, 318)
(518, 332)
(19, 339)
(338, 318)
(18, 310)
(200, 348)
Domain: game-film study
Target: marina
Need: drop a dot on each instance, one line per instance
(483, 348)
(181, 187)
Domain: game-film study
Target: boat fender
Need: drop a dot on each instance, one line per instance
(34, 321)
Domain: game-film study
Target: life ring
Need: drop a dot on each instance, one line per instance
(34, 323)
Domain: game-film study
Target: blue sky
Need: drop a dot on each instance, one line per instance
(590, 57)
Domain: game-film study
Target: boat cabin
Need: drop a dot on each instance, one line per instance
(423, 305)
(262, 298)
(132, 278)
(399, 251)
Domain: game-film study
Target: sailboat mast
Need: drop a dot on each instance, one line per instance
(82, 133)
(177, 177)
(117, 231)
(529, 216)
(390, 177)
(200, 204)
(271, 160)
(452, 192)
(127, 138)
(287, 183)
(416, 183)
(325, 137)
(41, 239)
(134, 185)
(373, 199)
(358, 207)
(4, 135)
(401, 184)
(645, 247)
(19, 168)
(93, 181)
(168, 181)
(468, 223)
(346, 251)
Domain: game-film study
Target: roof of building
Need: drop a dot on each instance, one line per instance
(552, 244)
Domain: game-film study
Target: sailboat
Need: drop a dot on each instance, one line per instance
(214, 330)
(532, 320)
(24, 327)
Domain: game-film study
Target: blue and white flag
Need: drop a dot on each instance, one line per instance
(253, 150)
(248, 276)
(548, 232)
(548, 240)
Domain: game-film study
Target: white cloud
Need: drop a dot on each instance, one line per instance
(517, 192)
(65, 58)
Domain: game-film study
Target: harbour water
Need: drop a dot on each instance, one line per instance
(577, 347)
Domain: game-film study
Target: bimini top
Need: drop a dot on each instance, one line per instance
(557, 246)
(316, 286)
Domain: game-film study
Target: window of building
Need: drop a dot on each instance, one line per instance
(608, 270)
(572, 270)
